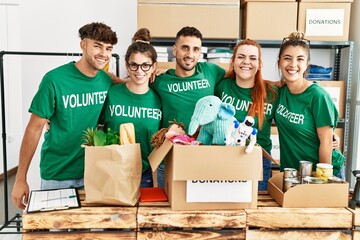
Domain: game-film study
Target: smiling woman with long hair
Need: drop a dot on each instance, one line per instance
(306, 116)
(251, 95)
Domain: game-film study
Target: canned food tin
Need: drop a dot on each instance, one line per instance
(290, 173)
(334, 179)
(290, 182)
(305, 168)
(312, 180)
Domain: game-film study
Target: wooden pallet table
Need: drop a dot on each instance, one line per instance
(157, 221)
(268, 221)
(87, 222)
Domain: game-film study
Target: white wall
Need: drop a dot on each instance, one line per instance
(10, 40)
(52, 26)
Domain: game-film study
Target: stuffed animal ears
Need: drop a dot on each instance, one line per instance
(226, 111)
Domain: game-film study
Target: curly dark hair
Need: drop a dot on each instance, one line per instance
(189, 31)
(99, 32)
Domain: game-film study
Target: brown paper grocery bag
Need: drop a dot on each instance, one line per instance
(112, 174)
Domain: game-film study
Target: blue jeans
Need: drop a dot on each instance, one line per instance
(55, 184)
(341, 173)
(146, 179)
(160, 175)
(266, 174)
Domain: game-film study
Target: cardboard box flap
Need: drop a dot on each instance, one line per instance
(309, 195)
(158, 154)
(216, 163)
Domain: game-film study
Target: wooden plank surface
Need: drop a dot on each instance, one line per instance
(82, 218)
(356, 234)
(80, 236)
(162, 217)
(287, 234)
(156, 220)
(277, 217)
(192, 235)
(356, 213)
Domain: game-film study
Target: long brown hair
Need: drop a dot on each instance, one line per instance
(259, 91)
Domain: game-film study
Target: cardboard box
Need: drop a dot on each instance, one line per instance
(327, 1)
(168, 65)
(212, 163)
(309, 195)
(322, 21)
(261, 20)
(245, 1)
(275, 150)
(215, 20)
(336, 90)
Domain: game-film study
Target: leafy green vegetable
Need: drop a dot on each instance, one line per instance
(95, 137)
(88, 136)
(112, 137)
(99, 138)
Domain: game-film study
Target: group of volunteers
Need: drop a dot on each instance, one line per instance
(302, 110)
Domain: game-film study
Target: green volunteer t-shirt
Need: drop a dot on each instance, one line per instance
(180, 94)
(143, 110)
(297, 118)
(229, 92)
(72, 102)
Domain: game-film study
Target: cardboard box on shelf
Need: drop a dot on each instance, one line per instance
(245, 1)
(336, 90)
(168, 65)
(275, 151)
(327, 1)
(309, 195)
(215, 20)
(322, 21)
(192, 169)
(261, 18)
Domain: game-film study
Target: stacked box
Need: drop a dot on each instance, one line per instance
(215, 20)
(322, 20)
(268, 20)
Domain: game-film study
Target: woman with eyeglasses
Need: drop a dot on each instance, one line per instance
(134, 102)
(251, 95)
(306, 116)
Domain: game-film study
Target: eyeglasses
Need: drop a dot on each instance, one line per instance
(134, 66)
(296, 41)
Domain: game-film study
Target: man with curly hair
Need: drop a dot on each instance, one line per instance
(70, 97)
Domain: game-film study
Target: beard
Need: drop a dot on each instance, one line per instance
(185, 67)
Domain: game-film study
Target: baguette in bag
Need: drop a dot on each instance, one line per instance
(127, 133)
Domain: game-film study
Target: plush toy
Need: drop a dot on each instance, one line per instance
(175, 133)
(214, 117)
(238, 133)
